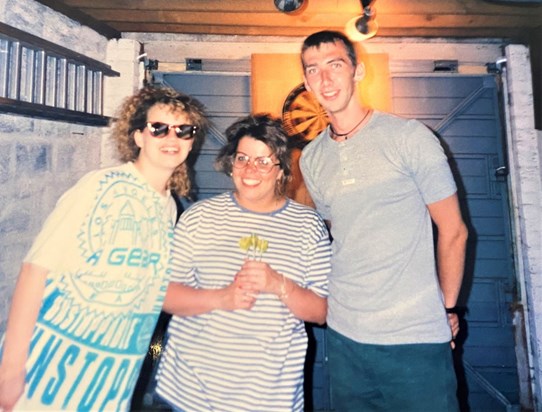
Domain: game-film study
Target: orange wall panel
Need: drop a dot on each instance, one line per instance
(275, 75)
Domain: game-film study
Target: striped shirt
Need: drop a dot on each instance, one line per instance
(242, 360)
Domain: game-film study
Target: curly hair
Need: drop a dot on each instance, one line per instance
(266, 129)
(132, 116)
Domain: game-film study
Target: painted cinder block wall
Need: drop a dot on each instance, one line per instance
(40, 159)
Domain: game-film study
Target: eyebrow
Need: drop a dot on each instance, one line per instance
(253, 157)
(336, 59)
(330, 61)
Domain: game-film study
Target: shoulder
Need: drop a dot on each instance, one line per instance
(400, 131)
(390, 120)
(303, 213)
(126, 171)
(212, 204)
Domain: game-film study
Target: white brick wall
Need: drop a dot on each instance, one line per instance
(526, 190)
(123, 58)
(41, 159)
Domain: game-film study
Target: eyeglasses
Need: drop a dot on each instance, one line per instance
(182, 131)
(264, 164)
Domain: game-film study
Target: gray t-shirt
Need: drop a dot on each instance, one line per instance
(374, 189)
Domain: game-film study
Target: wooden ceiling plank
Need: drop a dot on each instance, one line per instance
(198, 5)
(304, 31)
(381, 6)
(321, 20)
(451, 7)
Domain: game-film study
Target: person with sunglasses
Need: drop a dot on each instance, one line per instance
(92, 285)
(249, 267)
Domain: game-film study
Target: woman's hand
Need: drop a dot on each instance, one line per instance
(11, 387)
(259, 277)
(239, 294)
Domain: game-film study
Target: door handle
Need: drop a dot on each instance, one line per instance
(501, 171)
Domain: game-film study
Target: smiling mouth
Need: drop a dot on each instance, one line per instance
(330, 95)
(250, 182)
(170, 150)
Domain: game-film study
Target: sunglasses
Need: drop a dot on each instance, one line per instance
(182, 131)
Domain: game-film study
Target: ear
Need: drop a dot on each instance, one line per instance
(359, 72)
(138, 138)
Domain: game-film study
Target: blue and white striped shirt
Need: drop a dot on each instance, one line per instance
(242, 360)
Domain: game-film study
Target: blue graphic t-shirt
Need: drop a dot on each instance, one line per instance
(106, 246)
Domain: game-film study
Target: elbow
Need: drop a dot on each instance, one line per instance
(457, 235)
(463, 233)
(320, 319)
(171, 300)
(167, 307)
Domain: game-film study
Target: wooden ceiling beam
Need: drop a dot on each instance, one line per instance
(314, 6)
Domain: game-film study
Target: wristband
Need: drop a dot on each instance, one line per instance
(454, 310)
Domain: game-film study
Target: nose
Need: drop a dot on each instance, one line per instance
(171, 133)
(325, 76)
(251, 164)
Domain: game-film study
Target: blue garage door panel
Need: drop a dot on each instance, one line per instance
(438, 106)
(429, 87)
(220, 93)
(464, 113)
(207, 181)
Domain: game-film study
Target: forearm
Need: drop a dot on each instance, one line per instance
(451, 261)
(25, 306)
(182, 300)
(303, 303)
(451, 246)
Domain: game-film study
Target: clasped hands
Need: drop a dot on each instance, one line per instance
(254, 277)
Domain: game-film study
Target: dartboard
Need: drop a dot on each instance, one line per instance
(303, 117)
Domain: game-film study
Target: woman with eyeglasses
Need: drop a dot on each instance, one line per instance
(250, 266)
(92, 285)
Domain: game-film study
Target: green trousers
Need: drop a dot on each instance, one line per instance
(417, 377)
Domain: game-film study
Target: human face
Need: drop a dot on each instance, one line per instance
(255, 190)
(164, 153)
(330, 75)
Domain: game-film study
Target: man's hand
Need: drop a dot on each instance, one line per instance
(453, 321)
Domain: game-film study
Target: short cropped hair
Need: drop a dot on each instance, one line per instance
(329, 36)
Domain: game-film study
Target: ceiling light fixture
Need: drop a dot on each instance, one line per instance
(289, 6)
(365, 26)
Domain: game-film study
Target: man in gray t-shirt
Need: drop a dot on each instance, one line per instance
(381, 181)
